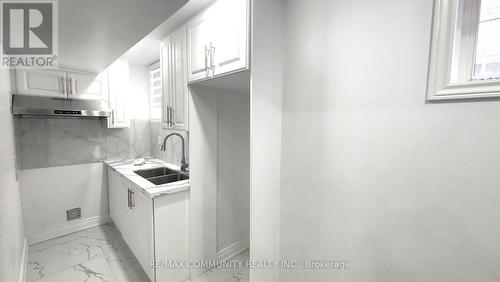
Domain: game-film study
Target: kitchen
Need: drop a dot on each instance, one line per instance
(250, 140)
(125, 153)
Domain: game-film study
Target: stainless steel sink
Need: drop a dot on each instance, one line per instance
(162, 175)
(159, 180)
(159, 171)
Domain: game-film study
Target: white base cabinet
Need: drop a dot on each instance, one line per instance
(155, 229)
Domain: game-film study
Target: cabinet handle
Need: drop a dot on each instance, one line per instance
(128, 198)
(65, 88)
(132, 199)
(72, 82)
(70, 86)
(212, 55)
(207, 52)
(113, 117)
(168, 115)
(171, 116)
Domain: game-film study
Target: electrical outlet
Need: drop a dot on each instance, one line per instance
(73, 214)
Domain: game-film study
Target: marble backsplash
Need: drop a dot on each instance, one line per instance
(57, 142)
(173, 151)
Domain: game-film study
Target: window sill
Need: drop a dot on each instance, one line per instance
(470, 90)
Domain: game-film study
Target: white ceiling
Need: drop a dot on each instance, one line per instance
(147, 51)
(94, 33)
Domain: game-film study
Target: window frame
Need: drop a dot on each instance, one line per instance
(443, 59)
(155, 67)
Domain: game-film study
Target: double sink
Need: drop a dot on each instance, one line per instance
(162, 175)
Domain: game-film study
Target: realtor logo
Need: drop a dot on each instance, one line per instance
(29, 34)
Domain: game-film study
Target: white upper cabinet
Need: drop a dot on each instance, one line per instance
(87, 86)
(179, 99)
(62, 84)
(230, 50)
(199, 45)
(119, 92)
(218, 40)
(49, 83)
(166, 69)
(174, 71)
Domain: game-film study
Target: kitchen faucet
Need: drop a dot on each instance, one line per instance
(184, 165)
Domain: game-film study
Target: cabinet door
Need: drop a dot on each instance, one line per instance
(231, 41)
(199, 36)
(175, 89)
(171, 219)
(49, 83)
(118, 79)
(141, 239)
(87, 86)
(118, 200)
(167, 76)
(179, 89)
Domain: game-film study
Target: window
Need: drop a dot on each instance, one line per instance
(156, 91)
(487, 60)
(465, 53)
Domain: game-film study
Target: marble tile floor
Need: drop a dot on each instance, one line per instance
(100, 254)
(234, 274)
(95, 254)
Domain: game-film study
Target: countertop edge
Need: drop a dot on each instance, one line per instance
(157, 191)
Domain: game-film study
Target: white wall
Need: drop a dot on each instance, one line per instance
(202, 176)
(405, 190)
(48, 192)
(265, 134)
(12, 237)
(233, 189)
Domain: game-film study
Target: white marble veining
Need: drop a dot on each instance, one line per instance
(43, 142)
(238, 273)
(71, 141)
(100, 254)
(127, 170)
(96, 254)
(31, 142)
(129, 143)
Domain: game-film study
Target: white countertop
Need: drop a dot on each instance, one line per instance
(126, 169)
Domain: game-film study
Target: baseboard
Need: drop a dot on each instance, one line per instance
(66, 229)
(24, 261)
(233, 250)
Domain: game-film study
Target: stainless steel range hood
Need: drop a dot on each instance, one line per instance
(55, 107)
